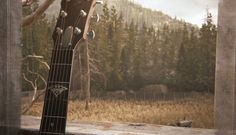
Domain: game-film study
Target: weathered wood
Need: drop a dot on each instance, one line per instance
(31, 125)
(225, 84)
(10, 56)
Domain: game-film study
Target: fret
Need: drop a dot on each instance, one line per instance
(63, 66)
(55, 109)
(60, 73)
(56, 104)
(51, 133)
(60, 117)
(57, 82)
(62, 49)
(55, 125)
(60, 64)
(54, 117)
(53, 100)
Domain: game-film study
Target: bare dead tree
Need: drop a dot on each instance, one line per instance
(84, 57)
(27, 2)
(87, 68)
(85, 72)
(34, 82)
(95, 71)
(29, 19)
(33, 102)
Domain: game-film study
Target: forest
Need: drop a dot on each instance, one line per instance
(127, 55)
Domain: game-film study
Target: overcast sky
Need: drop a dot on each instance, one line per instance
(193, 11)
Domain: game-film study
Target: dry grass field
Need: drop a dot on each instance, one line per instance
(198, 109)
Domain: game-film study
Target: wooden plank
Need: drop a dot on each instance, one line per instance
(225, 84)
(107, 128)
(10, 67)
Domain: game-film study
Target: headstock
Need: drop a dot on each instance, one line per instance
(73, 22)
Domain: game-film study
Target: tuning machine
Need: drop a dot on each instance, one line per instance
(59, 31)
(96, 17)
(77, 31)
(83, 13)
(99, 2)
(63, 14)
(91, 34)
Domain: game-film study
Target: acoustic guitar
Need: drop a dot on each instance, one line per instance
(70, 32)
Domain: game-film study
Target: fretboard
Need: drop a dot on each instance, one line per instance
(56, 98)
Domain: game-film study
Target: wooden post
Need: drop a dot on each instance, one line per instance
(225, 84)
(10, 66)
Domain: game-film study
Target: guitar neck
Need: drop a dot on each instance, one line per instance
(56, 98)
(70, 31)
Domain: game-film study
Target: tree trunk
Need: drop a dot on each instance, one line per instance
(34, 16)
(85, 72)
(10, 63)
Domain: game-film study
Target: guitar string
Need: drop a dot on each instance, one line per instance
(76, 24)
(47, 93)
(58, 110)
(53, 78)
(78, 20)
(56, 51)
(68, 57)
(60, 59)
(61, 107)
(54, 67)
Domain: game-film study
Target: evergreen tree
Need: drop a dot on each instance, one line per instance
(116, 32)
(133, 54)
(207, 51)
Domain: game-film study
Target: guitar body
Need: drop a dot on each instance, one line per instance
(70, 32)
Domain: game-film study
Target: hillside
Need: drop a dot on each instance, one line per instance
(131, 11)
(130, 57)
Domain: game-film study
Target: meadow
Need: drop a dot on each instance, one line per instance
(198, 108)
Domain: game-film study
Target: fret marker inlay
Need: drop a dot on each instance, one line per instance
(70, 32)
(58, 89)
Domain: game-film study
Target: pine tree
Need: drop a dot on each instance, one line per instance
(207, 51)
(115, 31)
(181, 69)
(127, 55)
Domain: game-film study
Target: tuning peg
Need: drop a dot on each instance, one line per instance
(96, 17)
(99, 2)
(91, 34)
(59, 31)
(77, 31)
(83, 13)
(63, 14)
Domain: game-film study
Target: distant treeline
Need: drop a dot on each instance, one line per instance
(132, 57)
